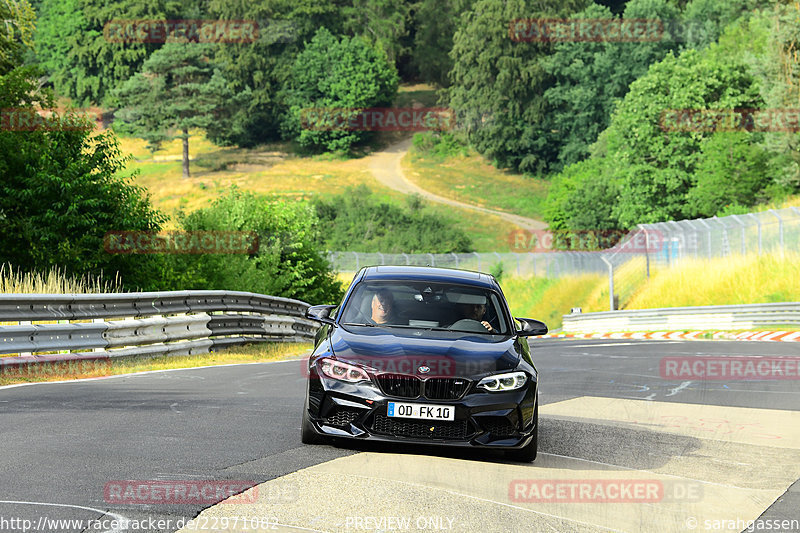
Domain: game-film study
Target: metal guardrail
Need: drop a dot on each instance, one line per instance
(144, 323)
(722, 317)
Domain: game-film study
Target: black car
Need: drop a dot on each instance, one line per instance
(423, 355)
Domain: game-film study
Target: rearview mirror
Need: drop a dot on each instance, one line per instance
(531, 327)
(320, 313)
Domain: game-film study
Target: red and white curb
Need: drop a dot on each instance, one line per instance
(772, 336)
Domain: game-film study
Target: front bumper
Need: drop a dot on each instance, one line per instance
(482, 419)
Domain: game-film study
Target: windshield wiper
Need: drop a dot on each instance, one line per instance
(355, 324)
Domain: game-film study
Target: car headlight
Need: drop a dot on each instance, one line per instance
(503, 382)
(342, 371)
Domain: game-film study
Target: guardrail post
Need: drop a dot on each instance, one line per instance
(456, 258)
(383, 260)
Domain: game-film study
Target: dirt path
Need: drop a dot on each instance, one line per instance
(385, 166)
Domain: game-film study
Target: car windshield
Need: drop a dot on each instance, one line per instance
(414, 304)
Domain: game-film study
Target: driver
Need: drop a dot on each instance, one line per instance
(474, 311)
(382, 307)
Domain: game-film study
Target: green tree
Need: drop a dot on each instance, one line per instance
(87, 64)
(330, 75)
(770, 39)
(582, 197)
(178, 89)
(382, 23)
(263, 67)
(61, 191)
(17, 26)
(654, 161)
(496, 76)
(705, 20)
(590, 78)
(733, 170)
(435, 23)
(288, 261)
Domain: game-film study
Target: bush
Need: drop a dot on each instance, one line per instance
(356, 221)
(439, 145)
(288, 262)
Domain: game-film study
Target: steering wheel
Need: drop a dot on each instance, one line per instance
(468, 324)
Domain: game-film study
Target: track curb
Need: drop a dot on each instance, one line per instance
(768, 336)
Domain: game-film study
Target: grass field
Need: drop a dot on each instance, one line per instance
(471, 179)
(720, 281)
(278, 171)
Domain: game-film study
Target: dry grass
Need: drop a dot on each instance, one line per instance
(723, 281)
(472, 180)
(277, 173)
(547, 299)
(53, 281)
(720, 281)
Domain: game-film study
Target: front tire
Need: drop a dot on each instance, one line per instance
(307, 433)
(527, 454)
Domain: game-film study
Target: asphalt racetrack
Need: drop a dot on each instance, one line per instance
(621, 448)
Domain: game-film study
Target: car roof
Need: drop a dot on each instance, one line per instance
(433, 274)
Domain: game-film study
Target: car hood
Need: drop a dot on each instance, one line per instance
(404, 351)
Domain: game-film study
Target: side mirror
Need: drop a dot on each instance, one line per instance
(321, 313)
(531, 327)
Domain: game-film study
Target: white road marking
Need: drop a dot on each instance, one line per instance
(679, 388)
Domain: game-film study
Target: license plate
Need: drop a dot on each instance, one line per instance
(422, 411)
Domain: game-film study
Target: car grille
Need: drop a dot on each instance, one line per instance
(456, 430)
(343, 416)
(445, 388)
(402, 386)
